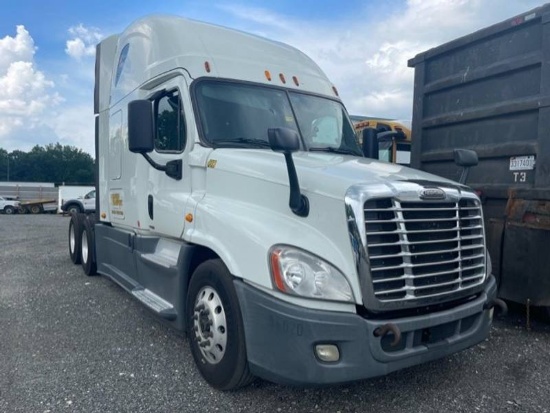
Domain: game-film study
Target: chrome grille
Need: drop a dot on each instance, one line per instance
(424, 249)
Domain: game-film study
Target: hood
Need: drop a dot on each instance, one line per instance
(323, 173)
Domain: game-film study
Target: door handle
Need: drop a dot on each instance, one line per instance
(150, 206)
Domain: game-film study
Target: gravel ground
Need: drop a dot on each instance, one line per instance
(71, 343)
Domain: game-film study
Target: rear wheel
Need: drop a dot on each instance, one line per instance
(75, 234)
(87, 248)
(74, 209)
(215, 326)
(35, 209)
(9, 210)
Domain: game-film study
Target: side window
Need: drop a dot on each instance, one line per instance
(170, 125)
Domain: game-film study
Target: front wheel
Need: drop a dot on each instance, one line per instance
(215, 327)
(9, 210)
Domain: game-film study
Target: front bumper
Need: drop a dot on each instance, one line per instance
(280, 338)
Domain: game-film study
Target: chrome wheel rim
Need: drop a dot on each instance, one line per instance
(84, 245)
(72, 240)
(210, 325)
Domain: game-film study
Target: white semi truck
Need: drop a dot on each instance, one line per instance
(234, 202)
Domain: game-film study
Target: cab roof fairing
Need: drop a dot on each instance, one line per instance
(159, 44)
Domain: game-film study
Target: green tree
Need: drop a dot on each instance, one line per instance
(3, 165)
(52, 163)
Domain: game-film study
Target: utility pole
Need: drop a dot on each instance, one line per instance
(8, 156)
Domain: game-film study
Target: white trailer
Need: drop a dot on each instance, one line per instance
(234, 202)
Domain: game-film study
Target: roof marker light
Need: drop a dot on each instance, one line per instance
(295, 80)
(335, 91)
(267, 75)
(207, 67)
(282, 77)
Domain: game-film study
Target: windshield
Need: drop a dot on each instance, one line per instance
(239, 115)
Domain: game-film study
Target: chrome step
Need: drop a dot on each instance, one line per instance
(155, 303)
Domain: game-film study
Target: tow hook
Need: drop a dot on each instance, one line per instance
(385, 329)
(497, 302)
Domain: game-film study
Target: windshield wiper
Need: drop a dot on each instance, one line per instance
(343, 151)
(241, 142)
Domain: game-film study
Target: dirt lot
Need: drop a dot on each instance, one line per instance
(74, 343)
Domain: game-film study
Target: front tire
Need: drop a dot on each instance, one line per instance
(87, 248)
(215, 327)
(9, 210)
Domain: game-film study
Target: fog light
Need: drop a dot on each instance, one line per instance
(327, 352)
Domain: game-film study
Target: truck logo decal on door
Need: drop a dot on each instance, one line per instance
(117, 205)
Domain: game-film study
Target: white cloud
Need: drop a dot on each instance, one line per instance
(366, 55)
(18, 48)
(77, 48)
(75, 126)
(83, 41)
(26, 94)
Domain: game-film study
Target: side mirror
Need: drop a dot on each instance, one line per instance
(465, 158)
(141, 137)
(287, 140)
(140, 126)
(389, 135)
(283, 140)
(369, 146)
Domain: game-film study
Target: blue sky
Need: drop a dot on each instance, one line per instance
(47, 47)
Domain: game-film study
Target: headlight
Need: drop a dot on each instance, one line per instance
(300, 273)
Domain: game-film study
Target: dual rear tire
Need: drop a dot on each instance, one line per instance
(75, 233)
(82, 243)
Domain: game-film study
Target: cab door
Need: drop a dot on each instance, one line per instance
(163, 197)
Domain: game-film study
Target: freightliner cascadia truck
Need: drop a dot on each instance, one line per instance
(234, 202)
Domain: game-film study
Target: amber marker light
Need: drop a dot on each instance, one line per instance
(267, 75)
(295, 79)
(276, 270)
(282, 77)
(189, 217)
(335, 91)
(207, 67)
(103, 215)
